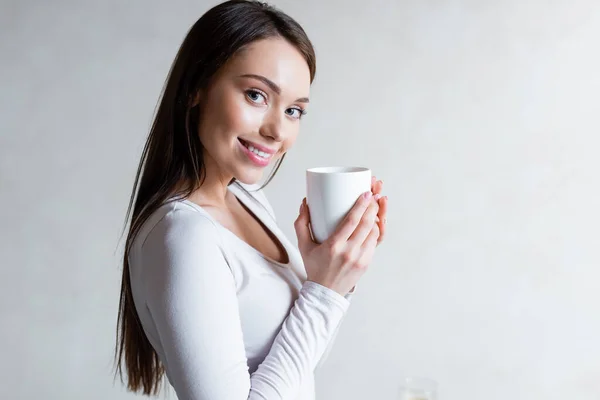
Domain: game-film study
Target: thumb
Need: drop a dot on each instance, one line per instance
(305, 241)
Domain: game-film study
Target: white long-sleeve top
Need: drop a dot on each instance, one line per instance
(227, 322)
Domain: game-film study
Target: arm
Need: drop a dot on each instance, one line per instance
(335, 333)
(191, 297)
(262, 198)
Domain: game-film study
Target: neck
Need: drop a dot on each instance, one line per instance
(213, 191)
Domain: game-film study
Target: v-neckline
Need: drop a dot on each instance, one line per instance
(249, 202)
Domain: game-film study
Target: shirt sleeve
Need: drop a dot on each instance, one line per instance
(191, 296)
(325, 355)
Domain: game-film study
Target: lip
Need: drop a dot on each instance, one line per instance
(259, 147)
(254, 158)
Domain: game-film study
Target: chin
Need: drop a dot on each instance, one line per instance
(249, 177)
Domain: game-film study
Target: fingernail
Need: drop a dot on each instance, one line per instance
(367, 195)
(377, 197)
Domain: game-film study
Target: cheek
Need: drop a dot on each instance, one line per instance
(241, 117)
(291, 138)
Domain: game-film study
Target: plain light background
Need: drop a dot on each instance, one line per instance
(482, 117)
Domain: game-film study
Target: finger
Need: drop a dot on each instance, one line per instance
(373, 182)
(352, 219)
(368, 247)
(366, 224)
(383, 205)
(371, 240)
(377, 187)
(302, 228)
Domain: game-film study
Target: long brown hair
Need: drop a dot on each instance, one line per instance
(172, 165)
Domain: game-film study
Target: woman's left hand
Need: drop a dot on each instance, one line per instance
(376, 188)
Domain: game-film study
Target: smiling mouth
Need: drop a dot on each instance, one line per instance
(256, 151)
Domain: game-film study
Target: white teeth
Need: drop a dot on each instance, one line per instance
(258, 152)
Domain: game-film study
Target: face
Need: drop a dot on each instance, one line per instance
(251, 112)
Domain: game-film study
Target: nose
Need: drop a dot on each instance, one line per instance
(272, 126)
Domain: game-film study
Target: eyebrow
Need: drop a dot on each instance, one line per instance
(272, 85)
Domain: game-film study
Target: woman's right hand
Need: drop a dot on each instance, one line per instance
(340, 261)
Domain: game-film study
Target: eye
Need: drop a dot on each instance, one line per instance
(295, 112)
(255, 96)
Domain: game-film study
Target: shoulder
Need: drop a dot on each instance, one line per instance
(176, 223)
(177, 250)
(177, 242)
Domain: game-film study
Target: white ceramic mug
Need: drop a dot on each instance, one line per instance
(330, 193)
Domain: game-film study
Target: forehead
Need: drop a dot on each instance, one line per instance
(275, 59)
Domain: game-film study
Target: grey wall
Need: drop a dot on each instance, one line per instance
(482, 117)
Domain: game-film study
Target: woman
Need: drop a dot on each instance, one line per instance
(213, 294)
